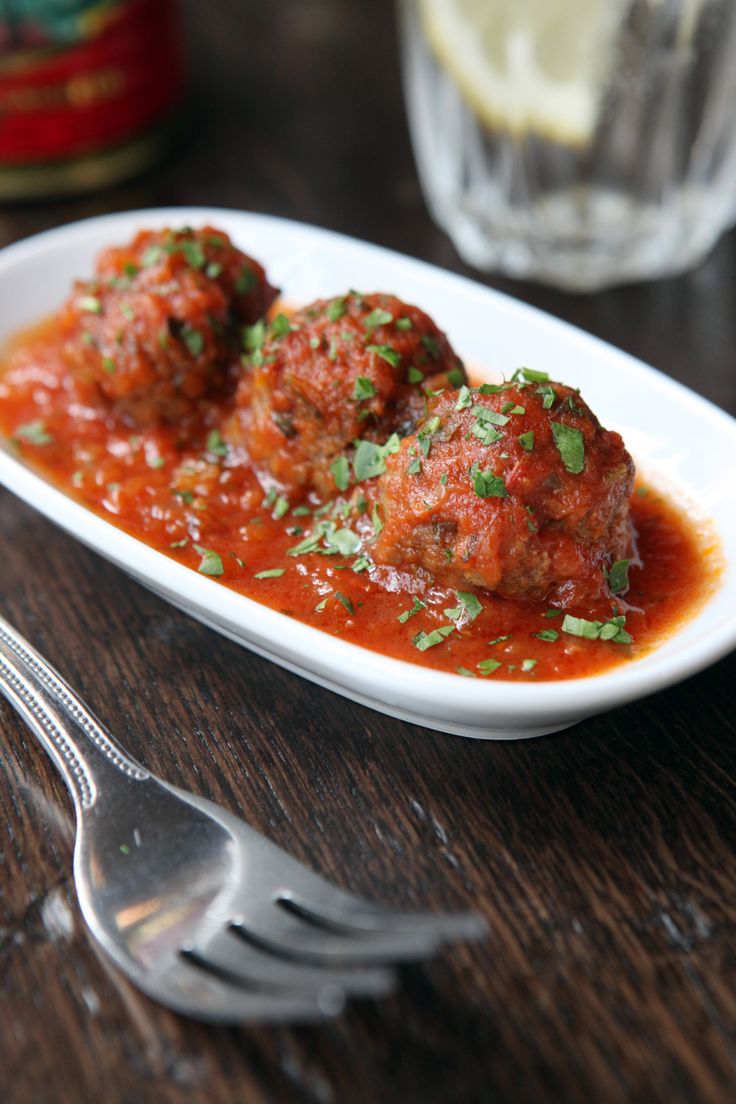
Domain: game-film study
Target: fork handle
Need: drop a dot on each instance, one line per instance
(82, 749)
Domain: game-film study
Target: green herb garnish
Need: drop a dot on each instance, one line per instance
(423, 640)
(377, 317)
(571, 447)
(211, 562)
(417, 607)
(488, 485)
(35, 433)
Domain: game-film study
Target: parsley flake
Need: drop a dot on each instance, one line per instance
(618, 576)
(215, 444)
(570, 445)
(35, 433)
(385, 352)
(423, 640)
(377, 317)
(488, 485)
(364, 388)
(336, 309)
(417, 607)
(211, 562)
(340, 470)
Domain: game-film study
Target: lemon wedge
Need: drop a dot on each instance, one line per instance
(527, 66)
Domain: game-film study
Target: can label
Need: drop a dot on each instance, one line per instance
(76, 79)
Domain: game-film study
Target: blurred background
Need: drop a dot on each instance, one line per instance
(297, 109)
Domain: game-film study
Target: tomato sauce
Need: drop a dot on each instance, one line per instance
(199, 503)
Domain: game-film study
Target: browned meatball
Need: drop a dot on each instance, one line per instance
(158, 327)
(359, 366)
(515, 488)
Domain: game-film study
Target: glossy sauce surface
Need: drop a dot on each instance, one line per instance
(187, 494)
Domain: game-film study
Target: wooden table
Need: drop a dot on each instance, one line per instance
(603, 857)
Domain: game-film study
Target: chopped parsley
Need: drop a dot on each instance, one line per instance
(430, 344)
(417, 607)
(467, 609)
(550, 635)
(526, 440)
(612, 630)
(280, 327)
(211, 562)
(385, 352)
(488, 666)
(571, 446)
(363, 389)
(414, 375)
(35, 433)
(193, 253)
(345, 601)
(486, 414)
(488, 485)
(344, 541)
(531, 375)
(486, 433)
(340, 470)
(423, 640)
(91, 304)
(253, 336)
(548, 395)
(377, 317)
(193, 340)
(336, 309)
(270, 573)
(464, 398)
(618, 576)
(246, 281)
(215, 444)
(370, 458)
(529, 664)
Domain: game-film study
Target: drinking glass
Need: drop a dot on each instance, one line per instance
(580, 143)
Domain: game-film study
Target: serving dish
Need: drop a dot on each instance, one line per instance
(680, 443)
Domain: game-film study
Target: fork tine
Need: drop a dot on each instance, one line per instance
(195, 992)
(343, 912)
(293, 937)
(240, 960)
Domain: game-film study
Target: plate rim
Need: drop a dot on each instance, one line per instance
(579, 697)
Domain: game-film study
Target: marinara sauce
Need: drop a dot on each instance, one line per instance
(193, 499)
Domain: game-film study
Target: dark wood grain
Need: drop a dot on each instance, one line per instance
(603, 857)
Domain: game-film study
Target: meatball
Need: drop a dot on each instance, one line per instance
(515, 488)
(158, 326)
(358, 366)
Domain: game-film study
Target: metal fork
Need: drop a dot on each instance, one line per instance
(198, 909)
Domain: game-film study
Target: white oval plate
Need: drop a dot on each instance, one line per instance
(679, 440)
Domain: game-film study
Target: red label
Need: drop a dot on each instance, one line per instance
(68, 102)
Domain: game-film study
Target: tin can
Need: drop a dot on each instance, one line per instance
(88, 89)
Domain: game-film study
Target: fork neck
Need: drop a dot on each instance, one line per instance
(84, 752)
